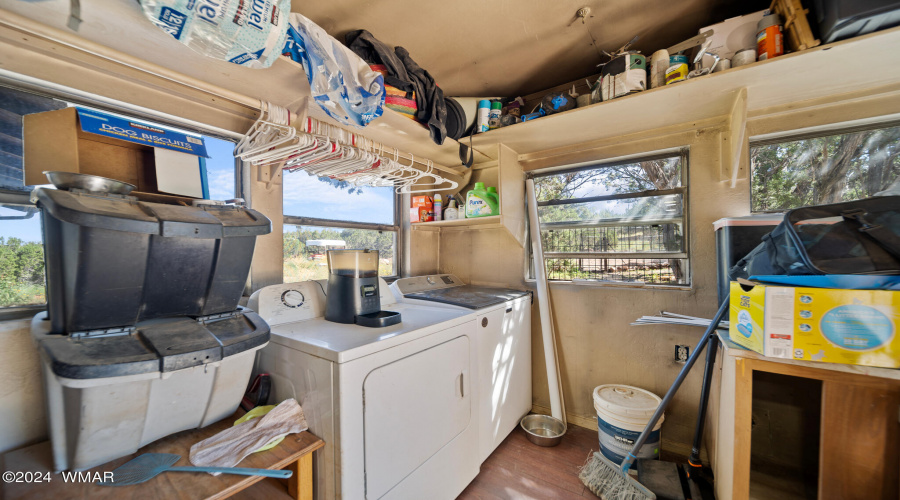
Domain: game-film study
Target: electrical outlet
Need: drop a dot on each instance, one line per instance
(681, 353)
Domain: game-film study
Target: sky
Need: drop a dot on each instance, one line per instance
(303, 196)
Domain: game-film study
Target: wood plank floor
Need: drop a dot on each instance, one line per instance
(520, 470)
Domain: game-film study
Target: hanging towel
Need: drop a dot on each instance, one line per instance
(229, 447)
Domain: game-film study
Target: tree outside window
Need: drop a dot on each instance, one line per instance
(822, 170)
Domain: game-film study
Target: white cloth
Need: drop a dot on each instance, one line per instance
(229, 447)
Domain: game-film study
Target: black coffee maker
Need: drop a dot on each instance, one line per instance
(352, 291)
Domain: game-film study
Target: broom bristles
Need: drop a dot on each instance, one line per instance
(607, 480)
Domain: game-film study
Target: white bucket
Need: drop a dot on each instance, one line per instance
(622, 413)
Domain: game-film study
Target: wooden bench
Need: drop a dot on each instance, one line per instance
(294, 453)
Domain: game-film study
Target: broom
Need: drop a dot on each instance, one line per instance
(612, 482)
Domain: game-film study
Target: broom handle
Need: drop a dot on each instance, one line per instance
(242, 471)
(710, 331)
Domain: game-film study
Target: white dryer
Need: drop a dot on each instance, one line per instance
(502, 340)
(394, 405)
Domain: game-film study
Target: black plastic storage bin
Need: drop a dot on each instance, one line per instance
(840, 19)
(113, 261)
(735, 238)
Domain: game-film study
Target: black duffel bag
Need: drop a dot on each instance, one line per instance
(857, 237)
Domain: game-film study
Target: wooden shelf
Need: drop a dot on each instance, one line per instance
(284, 83)
(493, 220)
(828, 70)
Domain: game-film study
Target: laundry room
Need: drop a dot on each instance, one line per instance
(275, 249)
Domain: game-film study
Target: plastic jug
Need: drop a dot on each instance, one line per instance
(492, 192)
(481, 203)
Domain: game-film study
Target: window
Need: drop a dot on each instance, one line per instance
(791, 173)
(322, 214)
(22, 277)
(21, 243)
(616, 222)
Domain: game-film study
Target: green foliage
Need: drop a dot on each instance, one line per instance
(612, 179)
(21, 272)
(824, 169)
(295, 241)
(301, 263)
(595, 232)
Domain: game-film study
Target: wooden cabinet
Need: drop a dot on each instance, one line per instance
(859, 426)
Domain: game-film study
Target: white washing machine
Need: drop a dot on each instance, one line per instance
(502, 340)
(394, 405)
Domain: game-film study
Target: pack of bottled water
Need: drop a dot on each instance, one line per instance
(247, 32)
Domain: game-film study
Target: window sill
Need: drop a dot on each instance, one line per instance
(596, 284)
(20, 312)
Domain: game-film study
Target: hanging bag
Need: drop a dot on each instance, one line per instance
(857, 237)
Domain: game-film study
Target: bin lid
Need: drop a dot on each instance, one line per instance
(241, 333)
(155, 346)
(626, 400)
(121, 213)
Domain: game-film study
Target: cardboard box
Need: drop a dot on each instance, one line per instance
(58, 140)
(857, 327)
(419, 202)
(732, 35)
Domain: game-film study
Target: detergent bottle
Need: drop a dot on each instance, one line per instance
(480, 203)
(492, 192)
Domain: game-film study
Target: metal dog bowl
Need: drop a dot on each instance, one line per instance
(92, 183)
(543, 430)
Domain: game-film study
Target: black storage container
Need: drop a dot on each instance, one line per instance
(735, 238)
(113, 261)
(840, 19)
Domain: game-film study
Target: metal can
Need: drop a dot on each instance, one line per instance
(769, 39)
(677, 70)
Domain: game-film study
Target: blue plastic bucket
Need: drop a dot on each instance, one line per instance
(622, 413)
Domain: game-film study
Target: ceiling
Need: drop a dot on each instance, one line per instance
(481, 48)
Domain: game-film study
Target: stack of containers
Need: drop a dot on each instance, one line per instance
(143, 336)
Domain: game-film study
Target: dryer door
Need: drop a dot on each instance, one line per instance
(413, 408)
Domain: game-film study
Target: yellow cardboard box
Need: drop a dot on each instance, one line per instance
(857, 327)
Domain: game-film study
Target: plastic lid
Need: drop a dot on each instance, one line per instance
(156, 346)
(437, 197)
(479, 185)
(356, 263)
(626, 400)
(496, 105)
(484, 103)
(766, 21)
(492, 189)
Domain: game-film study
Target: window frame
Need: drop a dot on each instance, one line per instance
(396, 227)
(684, 154)
(800, 135)
(23, 198)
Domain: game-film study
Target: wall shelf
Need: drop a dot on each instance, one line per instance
(475, 223)
(827, 70)
(98, 41)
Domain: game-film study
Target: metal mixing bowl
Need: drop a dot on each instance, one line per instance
(93, 183)
(543, 430)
